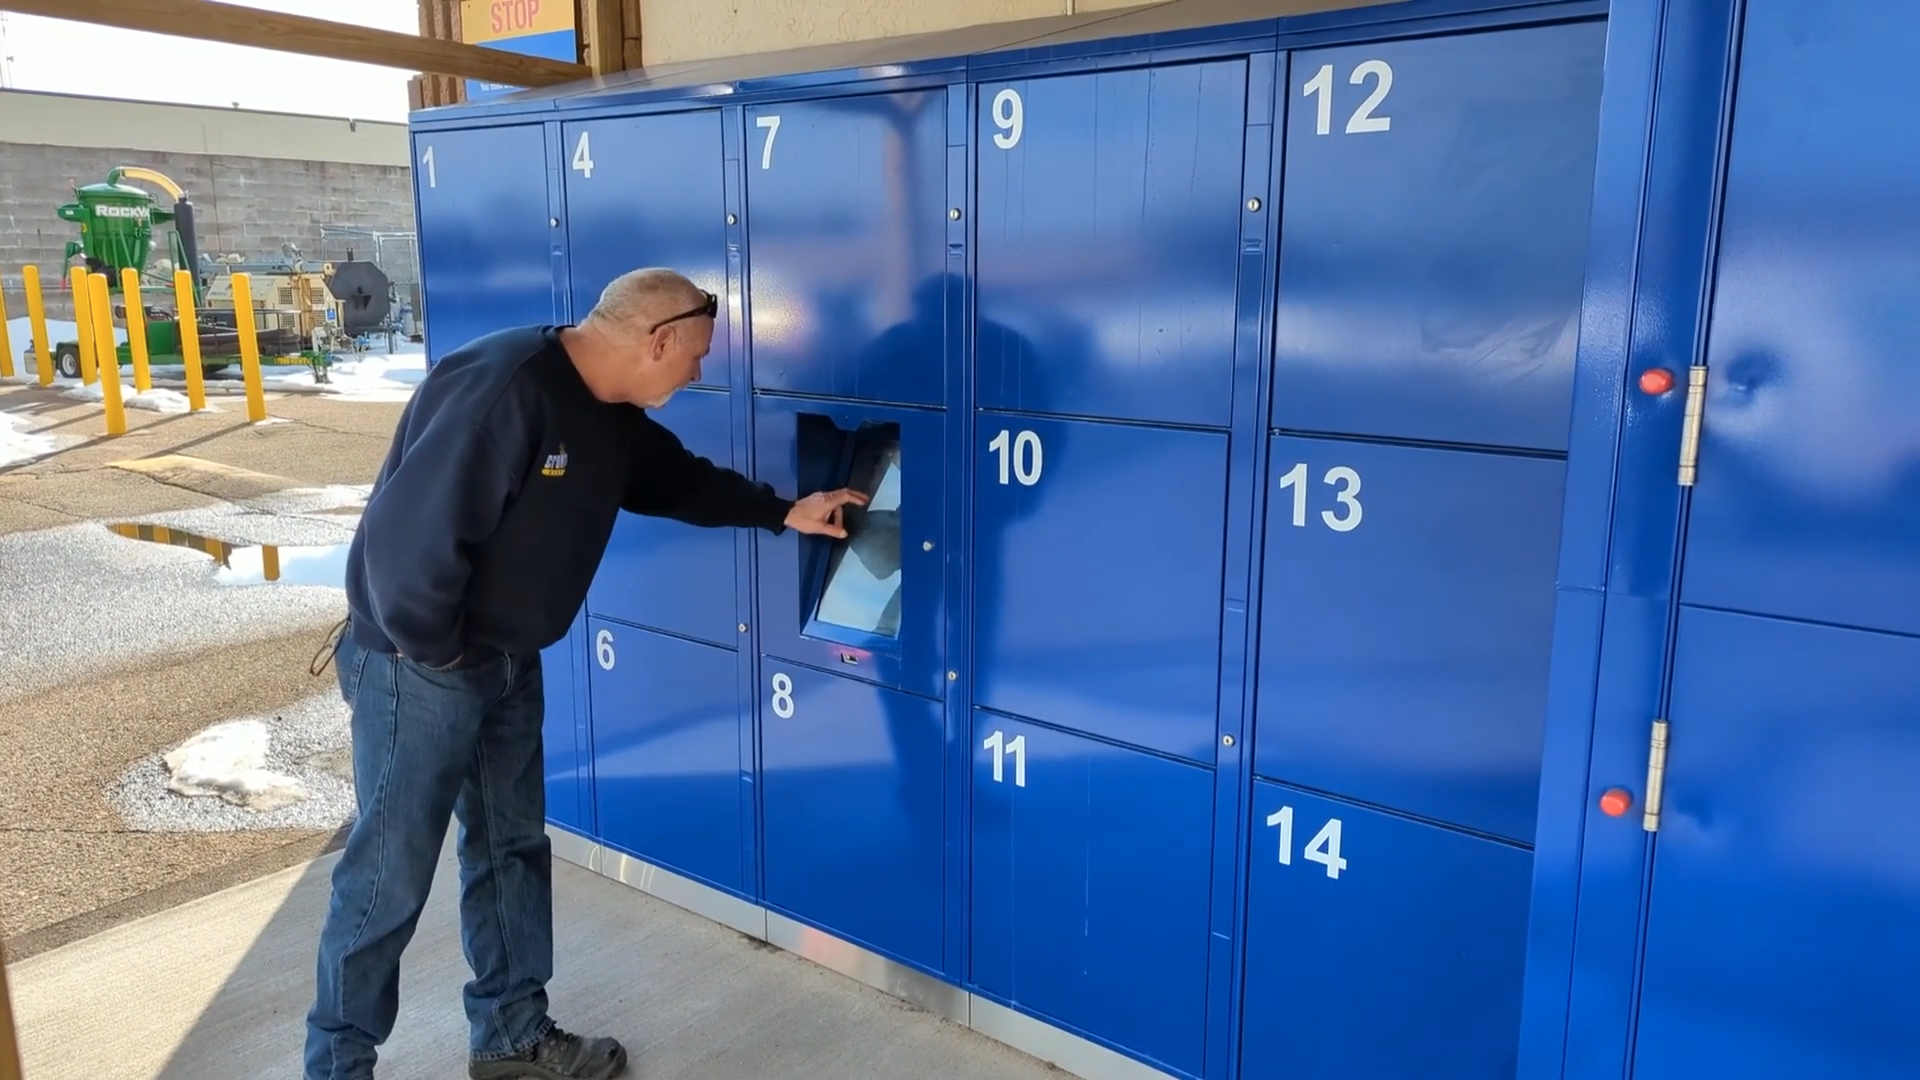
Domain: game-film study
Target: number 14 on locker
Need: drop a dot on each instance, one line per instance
(1324, 848)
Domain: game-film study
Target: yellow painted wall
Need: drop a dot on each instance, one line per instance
(675, 30)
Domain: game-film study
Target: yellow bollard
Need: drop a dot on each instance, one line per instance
(136, 329)
(249, 347)
(83, 318)
(270, 562)
(108, 367)
(190, 340)
(6, 340)
(37, 315)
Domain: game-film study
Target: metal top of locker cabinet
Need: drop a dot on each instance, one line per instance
(1148, 27)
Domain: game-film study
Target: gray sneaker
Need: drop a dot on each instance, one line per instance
(558, 1056)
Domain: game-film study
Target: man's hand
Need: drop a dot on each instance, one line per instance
(819, 514)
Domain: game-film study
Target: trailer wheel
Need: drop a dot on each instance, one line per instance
(66, 361)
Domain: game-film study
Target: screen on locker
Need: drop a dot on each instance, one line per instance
(867, 605)
(861, 591)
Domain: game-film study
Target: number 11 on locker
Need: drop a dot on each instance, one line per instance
(1004, 748)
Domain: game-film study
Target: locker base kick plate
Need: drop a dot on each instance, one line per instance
(1018, 1030)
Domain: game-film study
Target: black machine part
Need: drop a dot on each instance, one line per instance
(365, 294)
(183, 227)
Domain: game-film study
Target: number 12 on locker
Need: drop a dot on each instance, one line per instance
(1324, 848)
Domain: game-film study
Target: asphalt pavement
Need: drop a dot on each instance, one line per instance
(152, 586)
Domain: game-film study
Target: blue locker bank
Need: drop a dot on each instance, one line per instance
(1395, 549)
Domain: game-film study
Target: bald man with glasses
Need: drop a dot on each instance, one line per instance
(485, 527)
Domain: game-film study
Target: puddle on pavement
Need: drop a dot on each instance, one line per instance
(251, 564)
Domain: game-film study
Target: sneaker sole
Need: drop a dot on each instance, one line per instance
(526, 1070)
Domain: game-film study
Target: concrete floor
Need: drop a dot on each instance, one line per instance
(217, 989)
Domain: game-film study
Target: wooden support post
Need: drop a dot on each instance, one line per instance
(603, 31)
(630, 39)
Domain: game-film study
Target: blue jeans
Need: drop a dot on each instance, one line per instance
(428, 745)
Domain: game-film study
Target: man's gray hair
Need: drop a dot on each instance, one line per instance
(637, 299)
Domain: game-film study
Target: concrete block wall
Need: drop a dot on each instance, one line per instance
(243, 205)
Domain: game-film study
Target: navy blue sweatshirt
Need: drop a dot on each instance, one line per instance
(493, 509)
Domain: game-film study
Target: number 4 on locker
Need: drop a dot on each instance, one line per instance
(1324, 848)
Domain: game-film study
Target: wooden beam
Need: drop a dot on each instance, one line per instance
(601, 21)
(209, 20)
(630, 35)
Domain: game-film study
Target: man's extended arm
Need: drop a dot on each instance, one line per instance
(668, 480)
(447, 495)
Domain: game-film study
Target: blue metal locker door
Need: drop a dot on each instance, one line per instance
(1092, 613)
(851, 809)
(480, 198)
(1108, 242)
(847, 227)
(666, 574)
(1090, 876)
(1399, 947)
(1433, 250)
(666, 750)
(648, 191)
(1782, 939)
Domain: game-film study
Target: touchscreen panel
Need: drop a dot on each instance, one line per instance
(863, 573)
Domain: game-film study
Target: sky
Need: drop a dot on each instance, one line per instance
(80, 58)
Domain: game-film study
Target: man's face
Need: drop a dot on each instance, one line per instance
(669, 358)
(677, 350)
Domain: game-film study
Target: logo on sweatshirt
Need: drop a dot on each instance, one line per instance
(556, 463)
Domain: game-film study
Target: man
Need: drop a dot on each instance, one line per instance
(484, 529)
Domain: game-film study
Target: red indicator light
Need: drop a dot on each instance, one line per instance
(1616, 802)
(1656, 381)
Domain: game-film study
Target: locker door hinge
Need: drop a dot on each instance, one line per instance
(1690, 424)
(1656, 775)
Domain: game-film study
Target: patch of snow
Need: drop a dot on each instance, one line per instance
(370, 376)
(164, 401)
(17, 444)
(229, 761)
(158, 399)
(309, 743)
